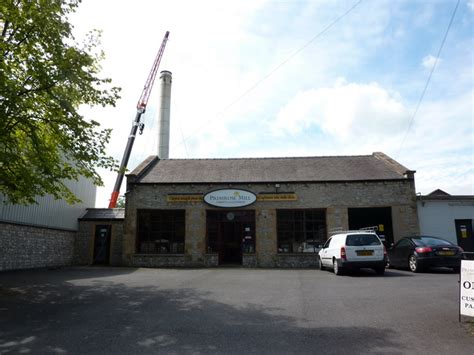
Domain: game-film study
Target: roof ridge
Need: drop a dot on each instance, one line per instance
(268, 158)
(144, 166)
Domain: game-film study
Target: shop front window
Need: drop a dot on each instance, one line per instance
(301, 231)
(160, 231)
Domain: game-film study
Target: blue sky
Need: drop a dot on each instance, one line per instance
(353, 90)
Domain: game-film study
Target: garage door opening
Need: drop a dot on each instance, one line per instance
(381, 217)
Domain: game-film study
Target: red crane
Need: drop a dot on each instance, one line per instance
(141, 107)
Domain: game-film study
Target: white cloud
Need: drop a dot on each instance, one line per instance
(429, 61)
(345, 111)
(440, 145)
(363, 118)
(470, 4)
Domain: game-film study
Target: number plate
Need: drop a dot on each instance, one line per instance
(365, 252)
(446, 253)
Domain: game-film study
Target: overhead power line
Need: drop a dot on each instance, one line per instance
(412, 119)
(275, 69)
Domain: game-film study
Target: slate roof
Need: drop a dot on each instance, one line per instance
(438, 192)
(377, 166)
(440, 195)
(103, 214)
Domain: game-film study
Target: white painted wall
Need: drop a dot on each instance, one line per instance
(437, 217)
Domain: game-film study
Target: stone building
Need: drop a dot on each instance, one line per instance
(99, 238)
(261, 212)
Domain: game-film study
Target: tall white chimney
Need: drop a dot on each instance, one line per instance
(164, 117)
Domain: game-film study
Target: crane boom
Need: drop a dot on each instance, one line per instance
(143, 101)
(141, 107)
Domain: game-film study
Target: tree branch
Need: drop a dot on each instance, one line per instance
(5, 28)
(41, 88)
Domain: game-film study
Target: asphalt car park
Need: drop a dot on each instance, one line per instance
(230, 310)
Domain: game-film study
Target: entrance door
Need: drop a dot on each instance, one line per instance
(230, 243)
(464, 234)
(230, 233)
(102, 244)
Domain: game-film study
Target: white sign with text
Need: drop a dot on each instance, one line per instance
(230, 198)
(467, 288)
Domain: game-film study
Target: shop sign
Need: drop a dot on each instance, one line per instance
(467, 288)
(184, 198)
(230, 198)
(277, 197)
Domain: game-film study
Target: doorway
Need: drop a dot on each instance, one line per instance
(464, 235)
(102, 244)
(380, 217)
(230, 234)
(230, 243)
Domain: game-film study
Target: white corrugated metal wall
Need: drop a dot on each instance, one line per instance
(50, 212)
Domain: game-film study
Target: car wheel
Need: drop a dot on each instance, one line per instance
(337, 269)
(413, 263)
(380, 271)
(320, 264)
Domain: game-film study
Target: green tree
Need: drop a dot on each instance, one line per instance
(121, 202)
(45, 75)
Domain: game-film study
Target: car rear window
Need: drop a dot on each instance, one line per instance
(362, 239)
(430, 241)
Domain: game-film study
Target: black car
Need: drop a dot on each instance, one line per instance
(421, 252)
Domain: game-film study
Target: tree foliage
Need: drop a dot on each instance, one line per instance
(45, 75)
(121, 202)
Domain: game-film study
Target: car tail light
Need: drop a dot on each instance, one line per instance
(384, 251)
(343, 253)
(423, 250)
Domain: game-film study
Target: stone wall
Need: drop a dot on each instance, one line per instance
(116, 246)
(335, 198)
(25, 247)
(249, 260)
(153, 260)
(308, 260)
(195, 236)
(173, 260)
(84, 243)
(265, 238)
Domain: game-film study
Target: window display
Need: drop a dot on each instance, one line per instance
(301, 231)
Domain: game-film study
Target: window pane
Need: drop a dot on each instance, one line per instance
(299, 231)
(160, 231)
(434, 241)
(362, 239)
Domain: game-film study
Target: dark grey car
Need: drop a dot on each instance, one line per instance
(422, 252)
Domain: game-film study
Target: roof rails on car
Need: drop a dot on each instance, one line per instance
(372, 229)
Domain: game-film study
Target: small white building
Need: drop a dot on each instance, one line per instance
(447, 216)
